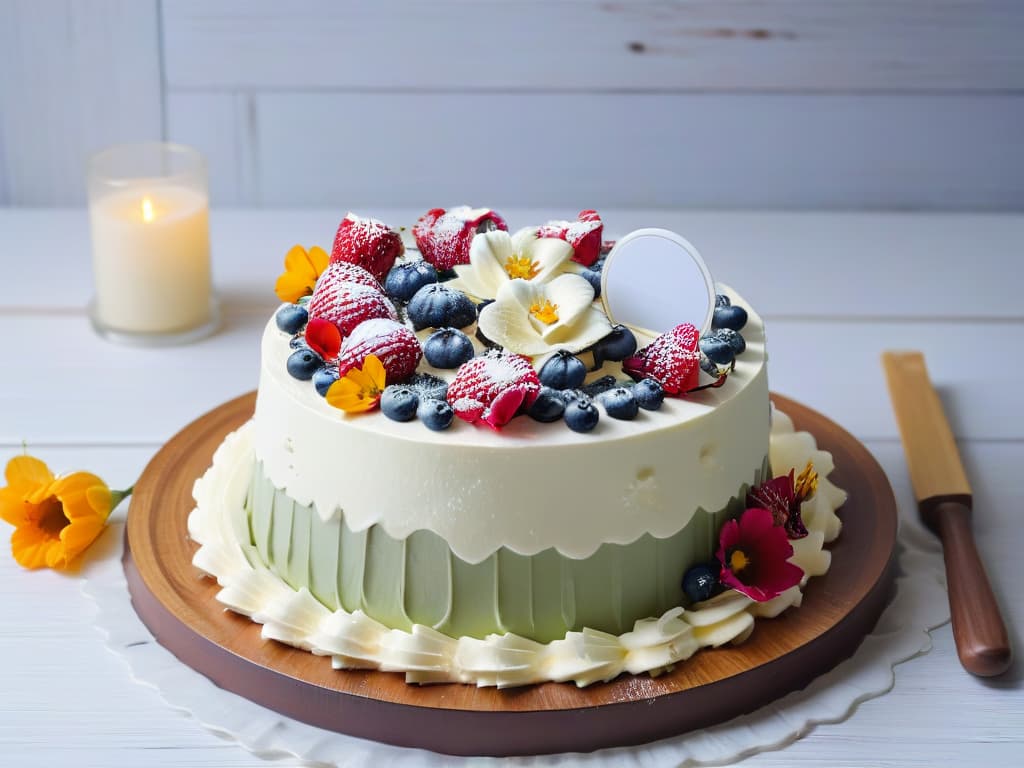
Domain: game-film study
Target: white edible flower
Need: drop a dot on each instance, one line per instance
(532, 318)
(496, 258)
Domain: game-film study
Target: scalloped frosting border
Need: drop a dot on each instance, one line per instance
(355, 641)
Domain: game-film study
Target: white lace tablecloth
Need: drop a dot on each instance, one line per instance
(919, 605)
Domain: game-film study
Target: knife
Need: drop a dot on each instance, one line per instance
(944, 502)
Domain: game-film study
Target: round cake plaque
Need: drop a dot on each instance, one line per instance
(176, 601)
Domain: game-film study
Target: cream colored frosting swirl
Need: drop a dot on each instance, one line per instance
(355, 641)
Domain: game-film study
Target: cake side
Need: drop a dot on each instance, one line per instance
(532, 486)
(419, 580)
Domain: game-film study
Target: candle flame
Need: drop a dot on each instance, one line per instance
(147, 209)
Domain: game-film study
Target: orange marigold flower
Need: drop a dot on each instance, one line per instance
(301, 270)
(359, 390)
(55, 519)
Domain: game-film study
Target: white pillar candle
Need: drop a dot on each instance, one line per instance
(151, 260)
(149, 216)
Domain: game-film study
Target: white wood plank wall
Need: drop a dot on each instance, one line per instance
(894, 104)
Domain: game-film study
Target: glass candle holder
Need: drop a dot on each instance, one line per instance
(149, 218)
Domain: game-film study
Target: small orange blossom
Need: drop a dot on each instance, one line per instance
(301, 270)
(55, 519)
(359, 390)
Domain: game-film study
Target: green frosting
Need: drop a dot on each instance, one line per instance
(419, 581)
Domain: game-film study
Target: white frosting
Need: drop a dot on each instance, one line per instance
(520, 489)
(355, 641)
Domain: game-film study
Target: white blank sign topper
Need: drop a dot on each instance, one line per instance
(654, 279)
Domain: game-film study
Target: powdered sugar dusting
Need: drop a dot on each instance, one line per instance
(349, 304)
(672, 360)
(367, 242)
(444, 237)
(484, 379)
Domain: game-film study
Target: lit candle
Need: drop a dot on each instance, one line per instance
(149, 215)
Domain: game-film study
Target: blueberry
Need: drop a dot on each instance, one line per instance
(717, 349)
(447, 348)
(616, 346)
(701, 582)
(594, 278)
(572, 395)
(428, 386)
(446, 274)
(708, 366)
(298, 341)
(399, 402)
(603, 384)
(619, 403)
(303, 363)
(733, 338)
(437, 306)
(435, 414)
(731, 317)
(548, 406)
(323, 378)
(649, 394)
(404, 280)
(563, 370)
(581, 414)
(721, 300)
(291, 318)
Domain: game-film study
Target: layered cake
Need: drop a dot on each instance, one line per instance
(463, 469)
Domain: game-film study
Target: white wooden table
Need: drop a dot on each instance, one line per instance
(835, 291)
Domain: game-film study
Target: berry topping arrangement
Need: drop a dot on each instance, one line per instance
(485, 325)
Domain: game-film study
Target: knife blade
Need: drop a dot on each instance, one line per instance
(945, 503)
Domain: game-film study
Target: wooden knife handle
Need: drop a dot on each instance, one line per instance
(981, 639)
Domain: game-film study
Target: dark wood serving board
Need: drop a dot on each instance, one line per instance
(176, 601)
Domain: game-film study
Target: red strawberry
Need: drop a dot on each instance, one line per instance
(323, 337)
(343, 272)
(395, 345)
(492, 388)
(672, 360)
(368, 243)
(348, 304)
(584, 235)
(443, 237)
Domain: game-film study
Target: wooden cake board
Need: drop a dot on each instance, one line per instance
(176, 601)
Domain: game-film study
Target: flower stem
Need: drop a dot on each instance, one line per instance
(116, 497)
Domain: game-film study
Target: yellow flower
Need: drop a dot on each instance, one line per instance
(55, 519)
(806, 484)
(359, 390)
(301, 269)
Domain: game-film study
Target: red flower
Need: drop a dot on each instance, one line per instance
(754, 553)
(782, 496)
(323, 337)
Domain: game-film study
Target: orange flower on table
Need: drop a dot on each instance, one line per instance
(301, 270)
(55, 519)
(359, 390)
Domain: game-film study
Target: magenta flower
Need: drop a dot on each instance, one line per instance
(754, 553)
(782, 496)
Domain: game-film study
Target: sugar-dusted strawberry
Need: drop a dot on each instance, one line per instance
(395, 345)
(348, 304)
(584, 235)
(672, 360)
(492, 388)
(369, 243)
(443, 237)
(342, 272)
